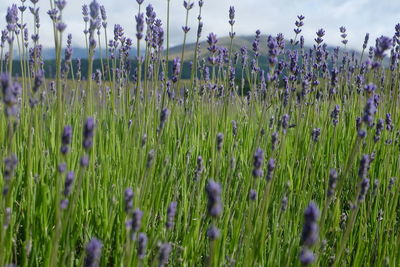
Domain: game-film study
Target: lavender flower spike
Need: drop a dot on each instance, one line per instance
(93, 253)
(231, 15)
(364, 166)
(270, 169)
(364, 188)
(213, 191)
(258, 162)
(88, 133)
(165, 250)
(213, 233)
(142, 244)
(66, 139)
(309, 234)
(163, 118)
(306, 257)
(128, 199)
(220, 140)
(171, 212)
(332, 182)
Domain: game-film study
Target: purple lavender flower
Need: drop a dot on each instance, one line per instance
(60, 26)
(231, 15)
(62, 167)
(213, 233)
(252, 195)
(301, 42)
(379, 128)
(212, 42)
(335, 115)
(176, 69)
(316, 132)
(388, 121)
(370, 88)
(234, 128)
(84, 161)
(60, 4)
(53, 14)
(306, 256)
(93, 253)
(320, 33)
(187, 6)
(94, 8)
(69, 180)
(136, 220)
(383, 43)
(66, 138)
(39, 79)
(270, 169)
(163, 257)
(163, 118)
(272, 50)
(199, 168)
(220, 140)
(299, 23)
(199, 29)
(256, 43)
(285, 122)
(103, 13)
(213, 191)
(10, 164)
(139, 25)
(257, 163)
(85, 13)
(363, 189)
(12, 17)
(11, 94)
(362, 133)
(128, 200)
(171, 212)
(185, 29)
(332, 182)
(366, 40)
(369, 111)
(364, 166)
(274, 140)
(142, 244)
(343, 35)
(309, 234)
(88, 133)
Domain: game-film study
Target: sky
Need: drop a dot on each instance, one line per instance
(269, 16)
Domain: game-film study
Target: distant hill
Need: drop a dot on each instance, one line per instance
(238, 42)
(78, 52)
(176, 51)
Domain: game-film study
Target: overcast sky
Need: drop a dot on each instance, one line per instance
(270, 16)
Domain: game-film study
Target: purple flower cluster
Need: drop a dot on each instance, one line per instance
(257, 163)
(213, 190)
(66, 139)
(309, 235)
(11, 94)
(88, 133)
(171, 213)
(93, 253)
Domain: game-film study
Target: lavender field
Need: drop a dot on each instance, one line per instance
(279, 153)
